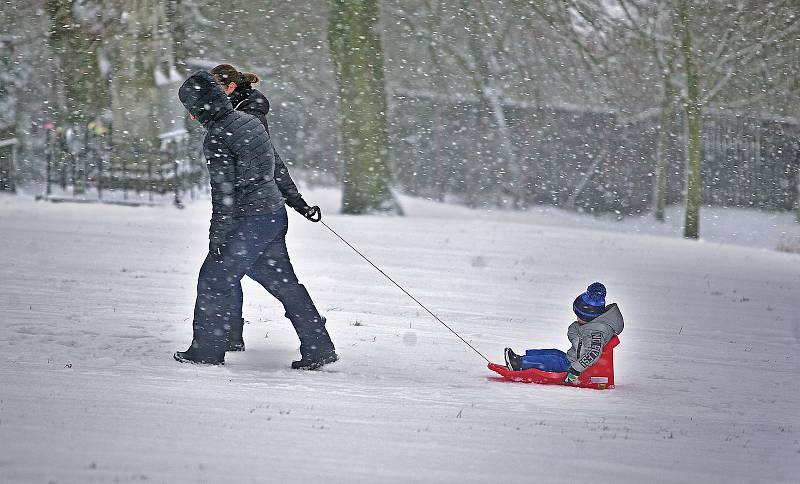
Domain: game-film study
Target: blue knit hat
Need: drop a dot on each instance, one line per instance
(591, 303)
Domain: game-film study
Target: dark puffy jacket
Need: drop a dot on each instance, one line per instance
(241, 164)
(252, 101)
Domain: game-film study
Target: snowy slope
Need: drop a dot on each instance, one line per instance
(94, 299)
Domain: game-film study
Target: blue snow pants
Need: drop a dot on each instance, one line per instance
(256, 248)
(546, 360)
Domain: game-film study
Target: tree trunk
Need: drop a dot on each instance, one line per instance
(662, 147)
(76, 73)
(516, 184)
(573, 197)
(143, 92)
(178, 22)
(77, 70)
(797, 215)
(693, 111)
(355, 44)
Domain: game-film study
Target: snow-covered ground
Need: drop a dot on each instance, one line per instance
(94, 300)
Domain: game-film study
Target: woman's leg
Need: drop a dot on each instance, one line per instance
(238, 301)
(217, 283)
(274, 271)
(235, 326)
(212, 311)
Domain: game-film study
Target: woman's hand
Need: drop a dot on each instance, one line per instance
(216, 251)
(313, 214)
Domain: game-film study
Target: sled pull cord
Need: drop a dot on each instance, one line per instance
(401, 288)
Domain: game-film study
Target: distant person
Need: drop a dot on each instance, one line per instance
(247, 233)
(238, 86)
(595, 326)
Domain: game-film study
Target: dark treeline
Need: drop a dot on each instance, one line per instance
(588, 160)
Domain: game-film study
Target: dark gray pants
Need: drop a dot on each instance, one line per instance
(256, 248)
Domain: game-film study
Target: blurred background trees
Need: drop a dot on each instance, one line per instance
(623, 106)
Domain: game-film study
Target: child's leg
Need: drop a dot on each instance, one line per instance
(549, 351)
(552, 360)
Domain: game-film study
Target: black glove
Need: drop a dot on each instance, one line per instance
(572, 376)
(311, 213)
(215, 250)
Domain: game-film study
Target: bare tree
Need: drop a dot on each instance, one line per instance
(714, 55)
(487, 52)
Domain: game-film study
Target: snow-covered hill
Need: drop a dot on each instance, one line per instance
(94, 299)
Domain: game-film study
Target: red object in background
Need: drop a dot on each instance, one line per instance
(599, 376)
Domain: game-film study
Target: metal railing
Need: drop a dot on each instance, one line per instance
(8, 163)
(83, 166)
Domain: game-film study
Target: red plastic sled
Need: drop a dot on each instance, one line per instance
(599, 376)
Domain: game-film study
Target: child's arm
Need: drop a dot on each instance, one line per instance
(582, 354)
(588, 350)
(573, 332)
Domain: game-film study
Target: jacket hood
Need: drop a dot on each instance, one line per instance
(611, 317)
(254, 101)
(203, 97)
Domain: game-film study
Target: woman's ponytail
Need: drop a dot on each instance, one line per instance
(249, 78)
(226, 73)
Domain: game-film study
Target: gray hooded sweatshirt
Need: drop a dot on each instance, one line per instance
(589, 339)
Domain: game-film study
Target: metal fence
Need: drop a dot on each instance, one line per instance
(81, 165)
(586, 160)
(8, 162)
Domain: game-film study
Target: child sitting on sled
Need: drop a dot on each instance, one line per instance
(595, 326)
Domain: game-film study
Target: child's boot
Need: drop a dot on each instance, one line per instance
(513, 360)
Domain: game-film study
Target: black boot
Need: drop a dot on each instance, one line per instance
(513, 360)
(192, 356)
(316, 347)
(207, 346)
(235, 341)
(312, 362)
